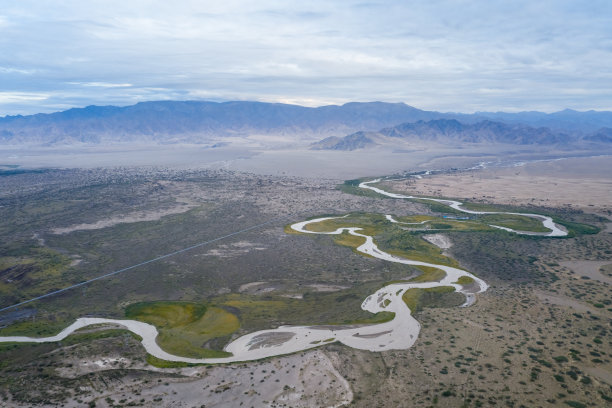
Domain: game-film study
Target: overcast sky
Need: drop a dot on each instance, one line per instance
(461, 56)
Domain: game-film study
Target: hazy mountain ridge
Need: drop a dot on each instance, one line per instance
(205, 122)
(198, 122)
(445, 131)
(567, 120)
(603, 135)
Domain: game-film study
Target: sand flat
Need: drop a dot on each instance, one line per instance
(577, 182)
(590, 269)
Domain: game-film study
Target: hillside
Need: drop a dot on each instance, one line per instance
(451, 131)
(200, 122)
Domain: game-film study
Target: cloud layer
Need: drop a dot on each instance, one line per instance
(443, 55)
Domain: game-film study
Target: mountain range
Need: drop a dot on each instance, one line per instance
(449, 131)
(204, 122)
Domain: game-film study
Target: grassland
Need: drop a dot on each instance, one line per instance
(352, 187)
(410, 245)
(576, 228)
(184, 328)
(516, 222)
(326, 308)
(442, 296)
(349, 240)
(465, 280)
(391, 238)
(159, 363)
(31, 271)
(429, 275)
(201, 330)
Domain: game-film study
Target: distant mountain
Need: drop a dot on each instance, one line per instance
(212, 123)
(451, 131)
(201, 122)
(567, 120)
(354, 141)
(603, 135)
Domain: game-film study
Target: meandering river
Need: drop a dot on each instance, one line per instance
(547, 222)
(399, 333)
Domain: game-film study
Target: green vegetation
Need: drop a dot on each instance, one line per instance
(29, 272)
(410, 245)
(465, 280)
(185, 327)
(575, 404)
(442, 296)
(388, 236)
(415, 218)
(37, 328)
(441, 226)
(429, 275)
(352, 187)
(576, 229)
(325, 308)
(85, 335)
(411, 298)
(371, 224)
(515, 222)
(89, 333)
(159, 363)
(351, 241)
(490, 207)
(439, 207)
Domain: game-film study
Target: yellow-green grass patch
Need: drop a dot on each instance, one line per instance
(316, 308)
(414, 218)
(38, 271)
(412, 246)
(159, 363)
(369, 223)
(352, 241)
(515, 222)
(441, 296)
(429, 274)
(465, 280)
(411, 298)
(185, 327)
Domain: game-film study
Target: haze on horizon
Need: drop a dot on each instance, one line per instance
(461, 56)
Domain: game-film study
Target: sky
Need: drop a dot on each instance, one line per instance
(459, 56)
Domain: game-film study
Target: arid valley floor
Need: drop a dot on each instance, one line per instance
(539, 336)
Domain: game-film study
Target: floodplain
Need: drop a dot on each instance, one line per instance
(463, 356)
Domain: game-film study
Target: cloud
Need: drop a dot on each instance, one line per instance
(443, 55)
(101, 84)
(10, 70)
(13, 97)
